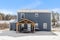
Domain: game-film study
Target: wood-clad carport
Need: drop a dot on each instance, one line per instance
(25, 21)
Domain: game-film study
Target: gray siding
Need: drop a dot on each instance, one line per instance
(12, 26)
(42, 18)
(19, 16)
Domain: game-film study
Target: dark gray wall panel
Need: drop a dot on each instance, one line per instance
(13, 26)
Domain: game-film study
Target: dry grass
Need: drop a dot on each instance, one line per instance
(4, 26)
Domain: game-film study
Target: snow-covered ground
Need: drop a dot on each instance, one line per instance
(12, 35)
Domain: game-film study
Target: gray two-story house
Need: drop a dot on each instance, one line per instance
(32, 20)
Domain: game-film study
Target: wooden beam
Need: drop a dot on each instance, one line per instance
(16, 27)
(33, 26)
(23, 22)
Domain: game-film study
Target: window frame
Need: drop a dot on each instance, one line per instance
(22, 14)
(45, 25)
(36, 25)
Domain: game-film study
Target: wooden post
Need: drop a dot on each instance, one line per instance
(33, 27)
(17, 27)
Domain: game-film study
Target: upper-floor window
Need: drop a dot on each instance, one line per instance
(22, 15)
(36, 14)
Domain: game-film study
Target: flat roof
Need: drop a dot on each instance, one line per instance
(34, 11)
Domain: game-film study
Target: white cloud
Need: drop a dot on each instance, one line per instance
(7, 11)
(33, 5)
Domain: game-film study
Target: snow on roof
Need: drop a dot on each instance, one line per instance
(33, 10)
(13, 21)
(3, 21)
(10, 21)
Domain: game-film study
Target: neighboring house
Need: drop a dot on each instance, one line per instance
(32, 20)
(5, 20)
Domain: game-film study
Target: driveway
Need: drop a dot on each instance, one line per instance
(14, 34)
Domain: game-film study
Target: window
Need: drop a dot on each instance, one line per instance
(29, 25)
(22, 15)
(36, 14)
(36, 25)
(44, 25)
(22, 25)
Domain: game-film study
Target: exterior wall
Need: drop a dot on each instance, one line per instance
(42, 18)
(19, 16)
(12, 26)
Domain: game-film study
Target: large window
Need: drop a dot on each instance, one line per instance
(36, 25)
(44, 25)
(22, 25)
(22, 15)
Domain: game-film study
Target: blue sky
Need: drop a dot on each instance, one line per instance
(11, 6)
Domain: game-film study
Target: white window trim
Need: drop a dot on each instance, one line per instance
(22, 15)
(44, 25)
